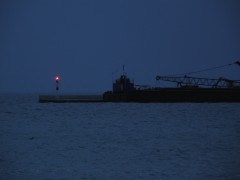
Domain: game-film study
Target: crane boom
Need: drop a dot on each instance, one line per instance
(195, 81)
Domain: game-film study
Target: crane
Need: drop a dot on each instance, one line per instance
(196, 81)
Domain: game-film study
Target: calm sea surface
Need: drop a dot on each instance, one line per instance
(118, 140)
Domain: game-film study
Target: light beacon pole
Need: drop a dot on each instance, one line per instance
(57, 79)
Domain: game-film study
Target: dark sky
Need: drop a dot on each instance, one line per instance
(84, 41)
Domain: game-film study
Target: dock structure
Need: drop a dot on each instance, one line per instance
(70, 99)
(189, 89)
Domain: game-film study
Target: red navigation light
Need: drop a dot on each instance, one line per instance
(57, 78)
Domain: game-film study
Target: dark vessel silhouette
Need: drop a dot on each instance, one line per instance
(189, 89)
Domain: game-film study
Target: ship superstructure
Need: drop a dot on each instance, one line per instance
(189, 89)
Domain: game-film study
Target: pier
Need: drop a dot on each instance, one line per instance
(70, 99)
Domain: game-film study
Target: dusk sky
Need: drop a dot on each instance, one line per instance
(86, 42)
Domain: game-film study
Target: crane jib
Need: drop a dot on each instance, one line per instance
(196, 81)
(186, 80)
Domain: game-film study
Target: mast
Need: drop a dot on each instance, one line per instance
(123, 70)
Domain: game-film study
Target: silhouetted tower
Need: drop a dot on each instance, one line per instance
(57, 79)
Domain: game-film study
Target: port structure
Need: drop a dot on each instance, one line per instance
(188, 81)
(196, 82)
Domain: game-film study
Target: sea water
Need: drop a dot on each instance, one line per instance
(118, 140)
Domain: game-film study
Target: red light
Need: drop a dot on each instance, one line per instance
(57, 78)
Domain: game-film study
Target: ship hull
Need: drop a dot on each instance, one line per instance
(176, 95)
